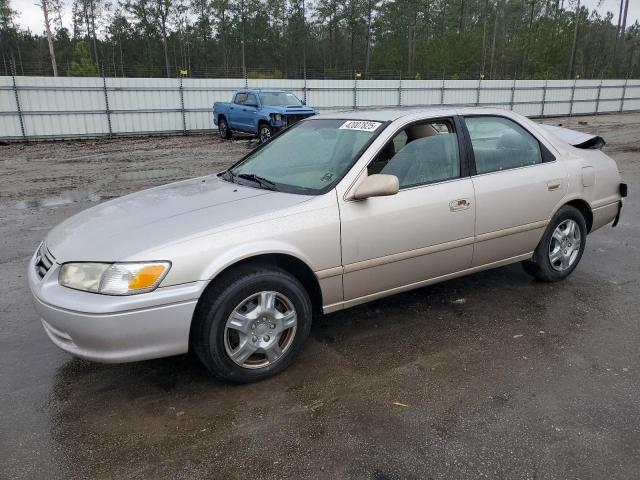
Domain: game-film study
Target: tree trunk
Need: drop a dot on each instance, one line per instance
(368, 53)
(624, 20)
(484, 36)
(575, 41)
(166, 51)
(493, 42)
(93, 31)
(47, 25)
(525, 54)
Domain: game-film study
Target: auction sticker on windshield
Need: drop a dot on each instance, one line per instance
(362, 125)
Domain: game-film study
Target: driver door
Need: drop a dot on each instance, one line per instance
(248, 112)
(425, 231)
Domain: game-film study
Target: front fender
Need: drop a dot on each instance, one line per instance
(250, 250)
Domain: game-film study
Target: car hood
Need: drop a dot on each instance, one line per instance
(303, 110)
(124, 227)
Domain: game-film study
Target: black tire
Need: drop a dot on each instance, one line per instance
(223, 128)
(540, 266)
(264, 132)
(220, 300)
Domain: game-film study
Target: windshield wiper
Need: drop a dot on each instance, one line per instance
(228, 175)
(263, 182)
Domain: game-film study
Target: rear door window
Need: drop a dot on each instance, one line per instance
(501, 144)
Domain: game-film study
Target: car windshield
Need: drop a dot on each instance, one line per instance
(274, 99)
(307, 158)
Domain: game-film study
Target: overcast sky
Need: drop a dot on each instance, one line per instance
(30, 15)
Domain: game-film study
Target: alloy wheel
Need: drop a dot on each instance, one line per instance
(564, 246)
(265, 134)
(260, 329)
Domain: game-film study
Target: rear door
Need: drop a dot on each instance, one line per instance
(518, 182)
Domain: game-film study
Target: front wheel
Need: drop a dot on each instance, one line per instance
(265, 132)
(561, 246)
(252, 324)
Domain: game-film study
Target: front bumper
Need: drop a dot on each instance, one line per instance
(114, 329)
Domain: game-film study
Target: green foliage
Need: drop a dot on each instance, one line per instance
(425, 39)
(274, 74)
(82, 65)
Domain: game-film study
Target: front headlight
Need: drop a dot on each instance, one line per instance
(277, 117)
(113, 278)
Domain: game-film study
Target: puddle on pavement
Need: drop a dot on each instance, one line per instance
(148, 174)
(82, 195)
(57, 201)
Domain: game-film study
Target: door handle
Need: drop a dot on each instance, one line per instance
(459, 204)
(553, 185)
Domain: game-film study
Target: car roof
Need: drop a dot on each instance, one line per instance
(385, 114)
(258, 90)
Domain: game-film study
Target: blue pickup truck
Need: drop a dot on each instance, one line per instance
(260, 112)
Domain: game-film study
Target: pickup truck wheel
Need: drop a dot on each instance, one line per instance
(223, 128)
(561, 246)
(252, 323)
(265, 132)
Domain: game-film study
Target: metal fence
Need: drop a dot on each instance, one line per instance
(68, 107)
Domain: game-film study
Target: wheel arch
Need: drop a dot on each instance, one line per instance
(292, 264)
(585, 209)
(581, 205)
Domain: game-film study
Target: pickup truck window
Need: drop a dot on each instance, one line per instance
(251, 99)
(274, 99)
(240, 98)
(309, 157)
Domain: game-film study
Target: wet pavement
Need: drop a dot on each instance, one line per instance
(489, 376)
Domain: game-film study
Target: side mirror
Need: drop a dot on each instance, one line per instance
(378, 185)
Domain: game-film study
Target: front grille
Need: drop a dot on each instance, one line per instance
(44, 261)
(293, 119)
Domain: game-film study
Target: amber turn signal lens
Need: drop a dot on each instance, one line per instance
(147, 277)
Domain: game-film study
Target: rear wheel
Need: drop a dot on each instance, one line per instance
(560, 248)
(252, 324)
(223, 128)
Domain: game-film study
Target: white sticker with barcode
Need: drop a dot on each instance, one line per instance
(362, 125)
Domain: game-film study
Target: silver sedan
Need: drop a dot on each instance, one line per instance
(336, 211)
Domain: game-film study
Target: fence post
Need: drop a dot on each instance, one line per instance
(573, 94)
(478, 92)
(598, 97)
(400, 90)
(355, 90)
(184, 118)
(513, 93)
(17, 96)
(106, 102)
(624, 93)
(304, 87)
(442, 91)
(544, 95)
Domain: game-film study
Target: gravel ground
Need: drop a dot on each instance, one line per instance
(488, 376)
